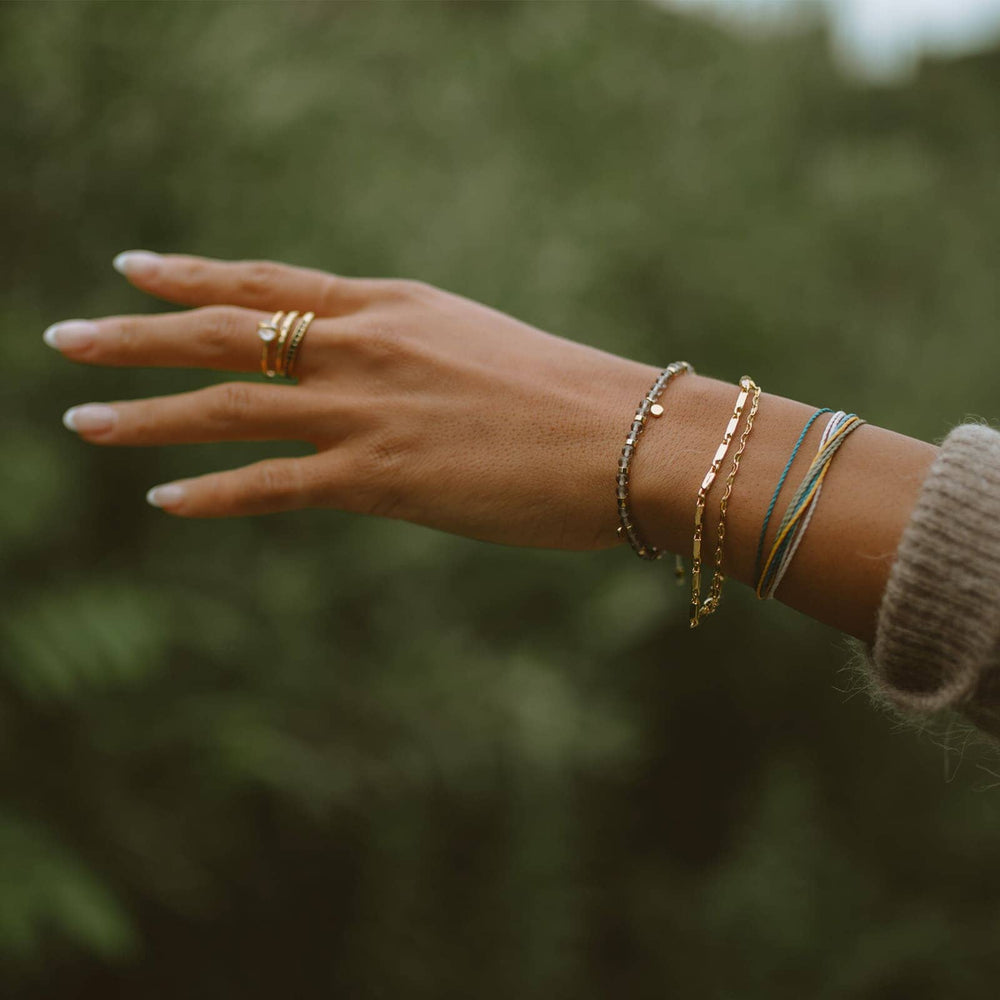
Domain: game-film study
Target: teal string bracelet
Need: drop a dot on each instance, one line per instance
(802, 505)
(805, 495)
(777, 491)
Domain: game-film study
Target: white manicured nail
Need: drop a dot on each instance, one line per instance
(90, 417)
(137, 263)
(166, 495)
(70, 334)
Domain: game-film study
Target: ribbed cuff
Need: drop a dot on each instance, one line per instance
(937, 641)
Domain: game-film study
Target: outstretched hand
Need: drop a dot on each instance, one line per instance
(421, 405)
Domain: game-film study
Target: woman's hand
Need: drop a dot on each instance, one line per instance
(422, 405)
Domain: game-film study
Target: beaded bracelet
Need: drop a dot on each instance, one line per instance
(698, 609)
(803, 503)
(647, 406)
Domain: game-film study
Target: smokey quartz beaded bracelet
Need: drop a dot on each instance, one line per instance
(648, 406)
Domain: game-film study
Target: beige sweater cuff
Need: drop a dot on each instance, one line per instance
(937, 642)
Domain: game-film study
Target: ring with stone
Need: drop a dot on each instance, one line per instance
(267, 330)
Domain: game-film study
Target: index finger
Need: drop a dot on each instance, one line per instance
(253, 284)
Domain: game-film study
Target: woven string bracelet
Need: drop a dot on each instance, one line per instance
(777, 490)
(795, 530)
(800, 507)
(648, 406)
(795, 516)
(795, 536)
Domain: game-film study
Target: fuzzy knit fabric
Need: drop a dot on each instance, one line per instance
(937, 641)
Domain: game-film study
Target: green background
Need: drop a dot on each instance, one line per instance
(316, 754)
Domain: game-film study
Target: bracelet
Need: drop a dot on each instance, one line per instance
(698, 609)
(803, 503)
(715, 591)
(777, 490)
(648, 405)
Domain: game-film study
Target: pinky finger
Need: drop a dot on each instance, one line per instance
(266, 487)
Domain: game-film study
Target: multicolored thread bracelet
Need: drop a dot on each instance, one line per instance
(803, 503)
(777, 491)
(648, 406)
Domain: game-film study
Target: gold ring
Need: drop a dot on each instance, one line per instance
(293, 344)
(267, 330)
(286, 326)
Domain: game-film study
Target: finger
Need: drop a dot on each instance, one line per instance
(265, 487)
(254, 284)
(218, 337)
(229, 411)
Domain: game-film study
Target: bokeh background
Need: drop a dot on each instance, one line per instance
(314, 754)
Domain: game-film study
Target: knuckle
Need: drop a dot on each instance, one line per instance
(230, 403)
(128, 335)
(408, 288)
(331, 295)
(217, 329)
(257, 278)
(387, 450)
(384, 345)
(278, 480)
(190, 274)
(337, 295)
(379, 476)
(377, 341)
(365, 478)
(137, 423)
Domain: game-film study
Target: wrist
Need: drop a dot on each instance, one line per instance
(840, 570)
(674, 460)
(674, 454)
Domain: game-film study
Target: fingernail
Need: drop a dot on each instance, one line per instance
(90, 417)
(70, 334)
(166, 495)
(137, 263)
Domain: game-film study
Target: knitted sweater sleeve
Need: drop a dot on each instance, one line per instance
(937, 640)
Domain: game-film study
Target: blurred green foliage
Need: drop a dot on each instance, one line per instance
(314, 754)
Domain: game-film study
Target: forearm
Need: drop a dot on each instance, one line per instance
(840, 570)
(426, 406)
(534, 466)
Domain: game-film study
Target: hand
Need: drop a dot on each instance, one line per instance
(421, 404)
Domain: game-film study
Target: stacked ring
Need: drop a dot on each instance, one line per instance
(276, 331)
(267, 330)
(286, 329)
(293, 344)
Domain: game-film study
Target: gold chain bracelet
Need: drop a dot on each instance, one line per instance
(698, 609)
